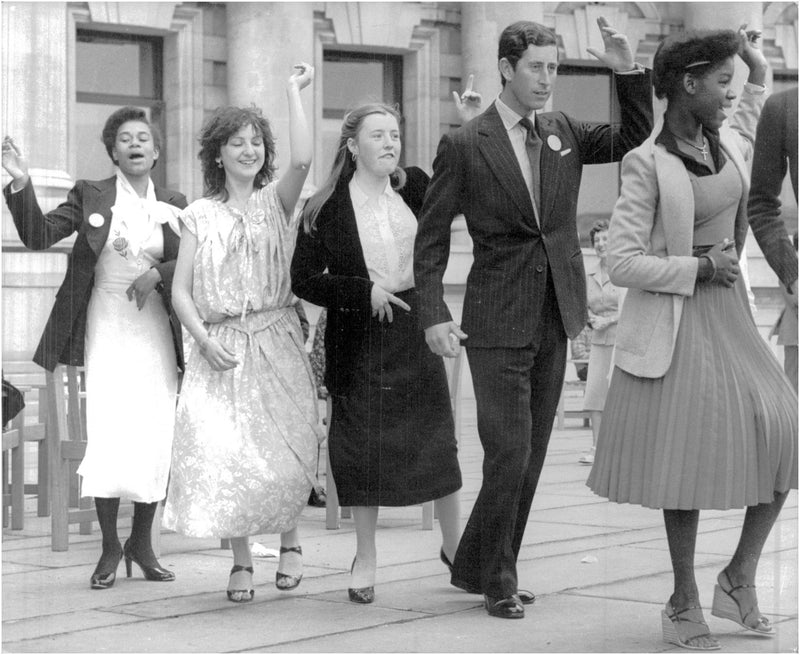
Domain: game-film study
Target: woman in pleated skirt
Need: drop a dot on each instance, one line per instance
(699, 413)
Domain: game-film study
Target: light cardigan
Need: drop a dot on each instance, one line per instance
(650, 239)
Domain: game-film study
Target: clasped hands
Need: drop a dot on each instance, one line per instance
(725, 261)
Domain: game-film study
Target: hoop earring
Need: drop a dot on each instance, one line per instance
(219, 164)
(353, 156)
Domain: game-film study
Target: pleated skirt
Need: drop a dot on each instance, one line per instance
(718, 431)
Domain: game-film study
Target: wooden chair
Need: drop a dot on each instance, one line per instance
(34, 387)
(571, 389)
(14, 490)
(36, 432)
(66, 446)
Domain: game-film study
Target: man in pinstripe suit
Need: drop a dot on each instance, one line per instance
(517, 186)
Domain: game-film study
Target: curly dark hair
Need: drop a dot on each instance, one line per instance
(224, 123)
(516, 38)
(598, 226)
(123, 115)
(696, 52)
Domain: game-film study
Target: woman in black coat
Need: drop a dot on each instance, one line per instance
(391, 437)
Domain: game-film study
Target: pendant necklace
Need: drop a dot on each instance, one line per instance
(703, 150)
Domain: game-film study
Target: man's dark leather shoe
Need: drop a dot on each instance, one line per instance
(504, 608)
(526, 596)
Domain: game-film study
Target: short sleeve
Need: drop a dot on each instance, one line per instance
(188, 219)
(268, 199)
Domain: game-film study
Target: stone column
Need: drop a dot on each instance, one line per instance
(707, 16)
(264, 41)
(481, 25)
(35, 108)
(35, 97)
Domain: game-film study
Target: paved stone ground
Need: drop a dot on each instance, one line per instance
(601, 573)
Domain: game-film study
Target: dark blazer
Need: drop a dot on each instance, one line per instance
(775, 151)
(329, 270)
(64, 334)
(476, 173)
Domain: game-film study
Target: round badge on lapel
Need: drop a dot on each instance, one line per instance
(554, 143)
(96, 220)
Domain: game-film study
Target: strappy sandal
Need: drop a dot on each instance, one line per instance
(241, 595)
(286, 581)
(727, 606)
(680, 629)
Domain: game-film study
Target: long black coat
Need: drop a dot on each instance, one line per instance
(328, 269)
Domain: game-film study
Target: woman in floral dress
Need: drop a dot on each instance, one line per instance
(246, 434)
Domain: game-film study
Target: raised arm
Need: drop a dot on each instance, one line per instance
(36, 229)
(300, 140)
(608, 142)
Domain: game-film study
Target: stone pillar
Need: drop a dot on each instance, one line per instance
(35, 108)
(264, 41)
(35, 97)
(707, 16)
(481, 25)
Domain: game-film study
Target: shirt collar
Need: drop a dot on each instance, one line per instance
(509, 117)
(668, 140)
(126, 188)
(359, 198)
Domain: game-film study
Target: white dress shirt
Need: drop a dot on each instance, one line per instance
(386, 231)
(517, 135)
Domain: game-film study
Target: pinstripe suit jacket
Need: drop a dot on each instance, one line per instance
(64, 334)
(476, 173)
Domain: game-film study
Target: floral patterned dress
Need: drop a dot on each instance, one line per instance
(245, 449)
(131, 373)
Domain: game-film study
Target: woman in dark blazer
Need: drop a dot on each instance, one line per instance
(107, 318)
(391, 438)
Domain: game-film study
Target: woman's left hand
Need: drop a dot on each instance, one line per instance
(302, 75)
(751, 54)
(143, 286)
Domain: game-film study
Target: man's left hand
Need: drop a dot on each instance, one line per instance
(617, 55)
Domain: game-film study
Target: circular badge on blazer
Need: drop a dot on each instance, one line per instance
(554, 143)
(96, 220)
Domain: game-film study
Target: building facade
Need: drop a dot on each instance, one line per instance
(67, 65)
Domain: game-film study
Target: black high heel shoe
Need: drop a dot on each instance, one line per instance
(104, 579)
(362, 595)
(152, 573)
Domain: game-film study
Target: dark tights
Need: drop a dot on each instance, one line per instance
(139, 543)
(681, 528)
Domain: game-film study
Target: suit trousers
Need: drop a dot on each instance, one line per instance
(517, 392)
